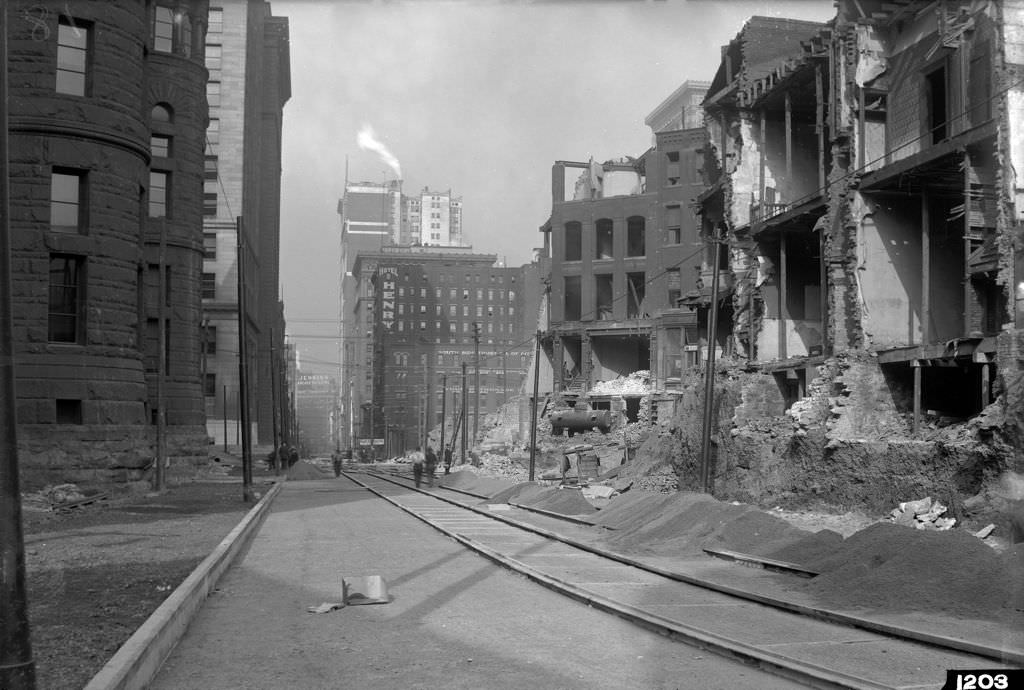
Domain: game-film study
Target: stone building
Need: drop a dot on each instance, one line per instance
(248, 58)
(107, 118)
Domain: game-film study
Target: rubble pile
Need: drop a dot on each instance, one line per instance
(637, 383)
(492, 465)
(51, 496)
(922, 514)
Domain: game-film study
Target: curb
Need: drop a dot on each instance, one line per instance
(137, 661)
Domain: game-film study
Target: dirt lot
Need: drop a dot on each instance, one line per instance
(96, 572)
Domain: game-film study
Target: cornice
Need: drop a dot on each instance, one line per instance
(55, 127)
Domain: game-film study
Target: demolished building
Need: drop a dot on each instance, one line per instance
(862, 185)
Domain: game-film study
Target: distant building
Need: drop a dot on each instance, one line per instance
(435, 218)
(315, 399)
(683, 109)
(107, 118)
(621, 248)
(247, 55)
(429, 311)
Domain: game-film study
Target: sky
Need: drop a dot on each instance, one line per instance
(477, 96)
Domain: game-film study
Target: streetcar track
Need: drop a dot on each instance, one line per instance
(713, 633)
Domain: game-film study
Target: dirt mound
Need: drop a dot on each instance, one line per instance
(756, 532)
(812, 547)
(898, 568)
(563, 501)
(631, 509)
(304, 470)
(524, 492)
(467, 480)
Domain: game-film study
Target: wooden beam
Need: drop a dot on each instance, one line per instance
(789, 140)
(783, 294)
(917, 399)
(819, 124)
(926, 254)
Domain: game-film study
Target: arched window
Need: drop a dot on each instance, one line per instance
(162, 113)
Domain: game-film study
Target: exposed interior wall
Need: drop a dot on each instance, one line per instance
(945, 285)
(889, 270)
(615, 356)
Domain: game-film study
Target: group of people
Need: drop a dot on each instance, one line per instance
(426, 462)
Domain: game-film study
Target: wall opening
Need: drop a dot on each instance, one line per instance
(68, 411)
(573, 304)
(573, 241)
(636, 236)
(636, 284)
(604, 295)
(604, 239)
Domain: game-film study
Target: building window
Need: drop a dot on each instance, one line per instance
(163, 29)
(213, 94)
(672, 168)
(208, 342)
(215, 20)
(674, 224)
(68, 411)
(67, 190)
(161, 112)
(158, 189)
(210, 386)
(208, 288)
(160, 145)
(72, 56)
(937, 104)
(603, 246)
(636, 236)
(214, 53)
(210, 245)
(209, 198)
(213, 134)
(67, 295)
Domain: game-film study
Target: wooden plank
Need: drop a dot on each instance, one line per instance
(761, 562)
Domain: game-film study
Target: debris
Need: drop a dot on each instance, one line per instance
(985, 531)
(367, 589)
(326, 607)
(922, 514)
(599, 491)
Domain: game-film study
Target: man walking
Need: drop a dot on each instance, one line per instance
(417, 466)
(430, 465)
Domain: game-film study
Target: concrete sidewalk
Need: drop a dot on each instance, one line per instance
(455, 619)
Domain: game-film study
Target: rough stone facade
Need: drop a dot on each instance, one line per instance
(86, 239)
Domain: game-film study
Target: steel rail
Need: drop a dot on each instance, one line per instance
(777, 664)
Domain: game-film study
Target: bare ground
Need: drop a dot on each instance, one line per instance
(96, 572)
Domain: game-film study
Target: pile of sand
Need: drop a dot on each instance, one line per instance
(899, 568)
(467, 480)
(304, 470)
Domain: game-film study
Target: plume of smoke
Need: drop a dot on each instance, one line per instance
(368, 141)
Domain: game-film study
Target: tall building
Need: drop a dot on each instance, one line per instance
(435, 218)
(430, 310)
(247, 56)
(107, 117)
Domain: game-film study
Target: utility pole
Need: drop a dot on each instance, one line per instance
(465, 398)
(224, 413)
(243, 369)
(273, 404)
(709, 375)
(533, 406)
(476, 382)
(17, 669)
(444, 409)
(161, 366)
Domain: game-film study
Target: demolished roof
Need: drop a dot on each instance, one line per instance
(759, 49)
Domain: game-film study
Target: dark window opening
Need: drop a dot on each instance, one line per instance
(635, 282)
(636, 236)
(936, 99)
(210, 386)
(573, 299)
(67, 288)
(792, 384)
(573, 241)
(632, 408)
(604, 248)
(674, 225)
(69, 411)
(672, 168)
(604, 297)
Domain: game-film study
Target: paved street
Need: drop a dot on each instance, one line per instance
(455, 621)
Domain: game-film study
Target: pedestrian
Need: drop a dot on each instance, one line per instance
(336, 461)
(417, 466)
(430, 465)
(447, 459)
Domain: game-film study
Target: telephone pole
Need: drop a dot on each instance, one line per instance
(709, 375)
(17, 669)
(476, 381)
(243, 369)
(465, 399)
